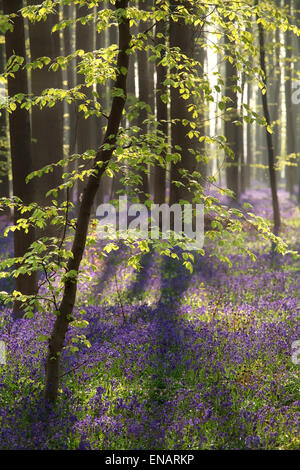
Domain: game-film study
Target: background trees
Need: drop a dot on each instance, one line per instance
(20, 143)
(182, 36)
(231, 129)
(46, 124)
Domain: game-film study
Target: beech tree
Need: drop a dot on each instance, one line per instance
(290, 119)
(102, 158)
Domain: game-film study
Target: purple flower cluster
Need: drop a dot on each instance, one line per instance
(199, 361)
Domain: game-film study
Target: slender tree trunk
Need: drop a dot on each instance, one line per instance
(4, 181)
(271, 159)
(232, 131)
(242, 184)
(201, 56)
(112, 33)
(101, 89)
(297, 15)
(20, 144)
(71, 118)
(69, 48)
(275, 116)
(249, 142)
(290, 117)
(162, 116)
(144, 94)
(103, 155)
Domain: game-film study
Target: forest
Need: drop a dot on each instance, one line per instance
(149, 225)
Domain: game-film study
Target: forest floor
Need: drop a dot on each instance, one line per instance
(172, 360)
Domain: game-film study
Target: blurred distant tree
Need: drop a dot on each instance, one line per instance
(232, 131)
(20, 144)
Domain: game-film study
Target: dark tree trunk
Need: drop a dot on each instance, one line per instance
(20, 144)
(201, 56)
(144, 95)
(103, 155)
(113, 39)
(275, 115)
(298, 113)
(271, 158)
(70, 110)
(162, 116)
(249, 143)
(4, 181)
(290, 117)
(182, 36)
(242, 184)
(232, 131)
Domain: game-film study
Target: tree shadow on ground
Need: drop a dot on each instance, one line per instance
(167, 344)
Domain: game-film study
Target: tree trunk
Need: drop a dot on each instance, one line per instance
(242, 184)
(290, 118)
(20, 144)
(181, 36)
(249, 143)
(69, 48)
(103, 156)
(4, 164)
(144, 94)
(275, 116)
(271, 159)
(232, 131)
(162, 116)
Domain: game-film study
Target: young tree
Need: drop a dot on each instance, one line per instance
(102, 158)
(122, 144)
